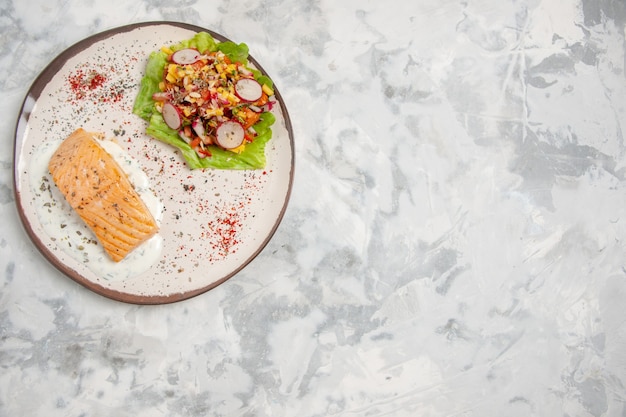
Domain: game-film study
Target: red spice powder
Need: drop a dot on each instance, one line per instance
(82, 82)
(223, 231)
(93, 85)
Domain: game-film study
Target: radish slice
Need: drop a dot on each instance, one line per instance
(186, 56)
(171, 115)
(230, 134)
(248, 89)
(270, 104)
(198, 127)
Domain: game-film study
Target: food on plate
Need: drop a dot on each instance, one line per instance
(97, 188)
(204, 98)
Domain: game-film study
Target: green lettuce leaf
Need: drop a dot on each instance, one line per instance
(144, 105)
(262, 79)
(236, 52)
(202, 41)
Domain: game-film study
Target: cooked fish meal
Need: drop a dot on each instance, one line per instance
(97, 188)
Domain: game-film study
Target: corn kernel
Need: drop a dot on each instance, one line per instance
(267, 90)
(214, 112)
(239, 149)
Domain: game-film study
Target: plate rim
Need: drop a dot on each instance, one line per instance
(34, 92)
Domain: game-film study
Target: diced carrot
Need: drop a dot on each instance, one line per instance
(262, 101)
(198, 64)
(194, 142)
(250, 118)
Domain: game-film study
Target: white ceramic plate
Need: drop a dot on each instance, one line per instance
(212, 222)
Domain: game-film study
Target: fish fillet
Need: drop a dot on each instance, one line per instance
(100, 192)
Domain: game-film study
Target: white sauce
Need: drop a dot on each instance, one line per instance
(71, 234)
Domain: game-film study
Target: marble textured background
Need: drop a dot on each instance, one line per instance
(454, 245)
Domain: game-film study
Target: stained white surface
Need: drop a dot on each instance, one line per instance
(454, 244)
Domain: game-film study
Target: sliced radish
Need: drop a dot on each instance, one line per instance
(248, 89)
(186, 56)
(230, 134)
(270, 104)
(171, 115)
(198, 127)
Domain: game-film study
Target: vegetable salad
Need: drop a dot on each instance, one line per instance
(202, 97)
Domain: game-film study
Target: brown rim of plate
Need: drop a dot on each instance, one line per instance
(35, 91)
